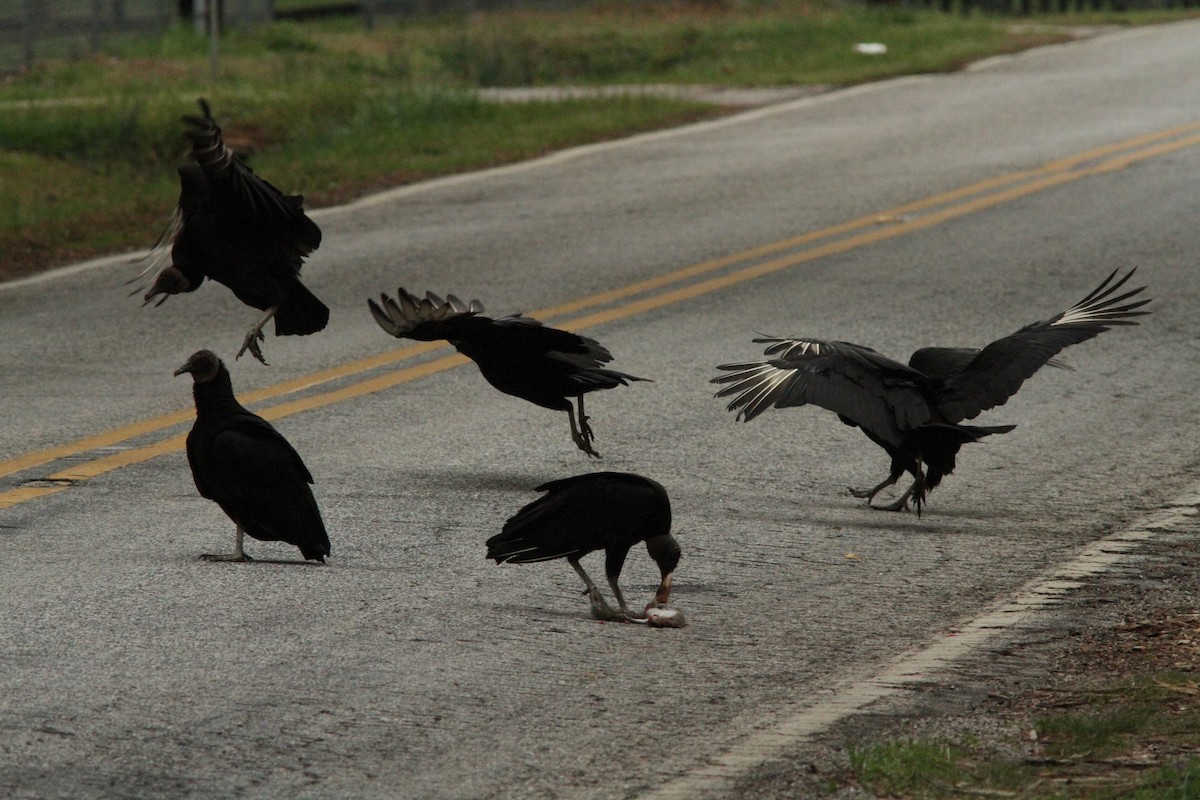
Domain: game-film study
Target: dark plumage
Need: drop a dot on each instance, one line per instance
(242, 464)
(609, 511)
(234, 227)
(913, 412)
(516, 354)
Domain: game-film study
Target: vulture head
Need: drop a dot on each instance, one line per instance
(204, 366)
(666, 552)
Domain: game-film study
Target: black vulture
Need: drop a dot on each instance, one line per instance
(238, 229)
(244, 465)
(516, 354)
(609, 511)
(914, 412)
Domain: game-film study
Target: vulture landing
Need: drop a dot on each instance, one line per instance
(609, 511)
(247, 468)
(516, 354)
(239, 230)
(915, 411)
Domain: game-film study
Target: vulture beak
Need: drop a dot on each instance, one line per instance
(187, 367)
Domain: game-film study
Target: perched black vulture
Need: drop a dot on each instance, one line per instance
(913, 412)
(609, 511)
(516, 354)
(234, 227)
(244, 465)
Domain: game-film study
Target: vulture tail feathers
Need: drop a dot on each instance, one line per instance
(301, 314)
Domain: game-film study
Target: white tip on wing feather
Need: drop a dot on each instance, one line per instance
(159, 257)
(514, 553)
(755, 386)
(790, 348)
(407, 311)
(382, 317)
(771, 383)
(1100, 307)
(407, 304)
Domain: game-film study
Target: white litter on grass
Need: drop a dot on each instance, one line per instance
(871, 48)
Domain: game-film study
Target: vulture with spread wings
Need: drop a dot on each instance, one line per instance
(239, 230)
(915, 411)
(516, 354)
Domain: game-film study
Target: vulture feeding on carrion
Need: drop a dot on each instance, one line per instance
(609, 511)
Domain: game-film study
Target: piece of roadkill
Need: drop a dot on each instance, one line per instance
(660, 615)
(656, 615)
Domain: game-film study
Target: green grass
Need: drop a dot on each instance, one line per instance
(332, 111)
(1084, 753)
(906, 767)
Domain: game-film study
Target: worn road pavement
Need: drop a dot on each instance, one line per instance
(930, 210)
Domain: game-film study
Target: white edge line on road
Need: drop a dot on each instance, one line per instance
(920, 666)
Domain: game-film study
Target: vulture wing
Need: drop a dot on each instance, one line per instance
(244, 195)
(580, 514)
(262, 483)
(995, 373)
(425, 319)
(876, 393)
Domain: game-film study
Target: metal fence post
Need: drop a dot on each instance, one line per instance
(214, 32)
(97, 24)
(27, 34)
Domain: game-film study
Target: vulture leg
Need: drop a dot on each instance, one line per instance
(255, 335)
(915, 493)
(600, 608)
(870, 492)
(612, 581)
(900, 504)
(238, 553)
(581, 434)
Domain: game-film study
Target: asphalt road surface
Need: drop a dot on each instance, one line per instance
(934, 210)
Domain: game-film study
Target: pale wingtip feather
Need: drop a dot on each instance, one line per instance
(400, 315)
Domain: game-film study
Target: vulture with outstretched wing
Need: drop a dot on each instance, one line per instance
(915, 411)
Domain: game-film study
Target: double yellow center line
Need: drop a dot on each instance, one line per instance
(597, 309)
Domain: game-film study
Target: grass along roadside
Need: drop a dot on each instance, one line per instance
(1134, 739)
(1101, 703)
(55, 209)
(88, 148)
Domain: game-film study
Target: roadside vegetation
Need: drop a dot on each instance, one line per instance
(88, 148)
(1133, 739)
